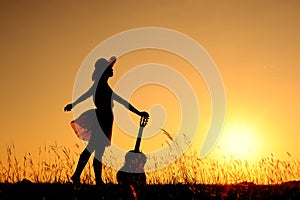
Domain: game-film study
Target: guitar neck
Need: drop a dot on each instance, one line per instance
(138, 140)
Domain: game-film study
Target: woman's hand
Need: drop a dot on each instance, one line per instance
(144, 114)
(68, 107)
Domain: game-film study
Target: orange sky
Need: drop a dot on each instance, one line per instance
(255, 45)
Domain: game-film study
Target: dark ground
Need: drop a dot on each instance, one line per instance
(27, 190)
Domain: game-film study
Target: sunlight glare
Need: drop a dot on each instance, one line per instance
(239, 140)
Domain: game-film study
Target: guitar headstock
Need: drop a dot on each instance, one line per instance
(143, 121)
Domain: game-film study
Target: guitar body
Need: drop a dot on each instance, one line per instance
(133, 173)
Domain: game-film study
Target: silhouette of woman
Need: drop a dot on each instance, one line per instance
(86, 126)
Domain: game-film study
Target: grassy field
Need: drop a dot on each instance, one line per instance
(47, 177)
(26, 190)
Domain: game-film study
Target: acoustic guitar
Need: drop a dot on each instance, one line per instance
(132, 173)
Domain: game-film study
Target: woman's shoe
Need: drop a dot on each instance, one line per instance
(76, 180)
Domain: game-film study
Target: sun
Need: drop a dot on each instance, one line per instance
(239, 140)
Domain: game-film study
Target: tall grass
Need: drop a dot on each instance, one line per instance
(56, 163)
(53, 164)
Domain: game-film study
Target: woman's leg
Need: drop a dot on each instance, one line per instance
(102, 138)
(97, 164)
(83, 159)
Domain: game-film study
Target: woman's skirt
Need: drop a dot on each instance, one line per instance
(94, 125)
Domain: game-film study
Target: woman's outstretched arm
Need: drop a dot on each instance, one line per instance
(128, 105)
(83, 97)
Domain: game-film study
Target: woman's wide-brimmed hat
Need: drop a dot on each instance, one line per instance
(101, 65)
